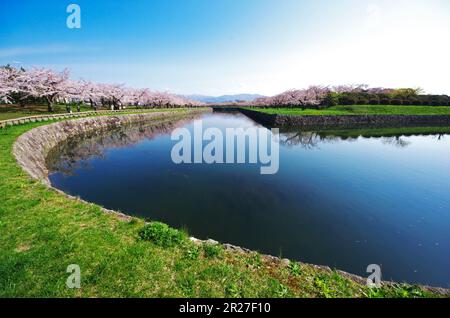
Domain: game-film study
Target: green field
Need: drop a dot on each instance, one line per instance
(15, 111)
(360, 110)
(42, 232)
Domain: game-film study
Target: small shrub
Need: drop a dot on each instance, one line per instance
(295, 268)
(211, 250)
(182, 265)
(133, 222)
(407, 103)
(278, 290)
(232, 291)
(347, 100)
(192, 252)
(330, 100)
(254, 260)
(415, 102)
(187, 284)
(374, 102)
(321, 282)
(398, 291)
(363, 101)
(161, 235)
(332, 285)
(436, 103)
(396, 102)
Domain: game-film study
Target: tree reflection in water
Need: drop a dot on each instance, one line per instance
(75, 153)
(313, 139)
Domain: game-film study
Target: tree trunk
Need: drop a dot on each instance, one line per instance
(50, 106)
(50, 102)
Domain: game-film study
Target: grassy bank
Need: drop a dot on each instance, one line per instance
(42, 232)
(16, 111)
(361, 110)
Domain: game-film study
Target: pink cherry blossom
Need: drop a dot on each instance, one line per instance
(58, 87)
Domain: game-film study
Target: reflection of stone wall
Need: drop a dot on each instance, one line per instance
(32, 148)
(346, 121)
(75, 151)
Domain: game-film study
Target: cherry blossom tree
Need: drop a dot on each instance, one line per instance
(5, 85)
(159, 99)
(139, 97)
(18, 85)
(48, 84)
(315, 96)
(91, 93)
(74, 92)
(111, 95)
(15, 85)
(354, 88)
(380, 90)
(312, 96)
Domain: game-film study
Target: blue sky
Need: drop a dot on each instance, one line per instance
(235, 46)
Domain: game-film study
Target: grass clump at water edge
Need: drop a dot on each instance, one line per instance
(162, 235)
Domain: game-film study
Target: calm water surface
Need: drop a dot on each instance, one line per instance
(338, 201)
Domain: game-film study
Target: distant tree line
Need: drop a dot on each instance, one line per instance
(323, 97)
(404, 96)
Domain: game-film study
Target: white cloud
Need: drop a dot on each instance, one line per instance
(24, 51)
(14, 52)
(374, 13)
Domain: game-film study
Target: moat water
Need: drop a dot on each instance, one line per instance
(338, 199)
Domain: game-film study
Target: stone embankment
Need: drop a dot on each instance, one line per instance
(277, 120)
(50, 117)
(31, 149)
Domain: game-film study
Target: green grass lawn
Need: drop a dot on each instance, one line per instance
(16, 111)
(42, 232)
(361, 110)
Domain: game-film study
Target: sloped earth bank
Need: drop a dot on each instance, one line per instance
(43, 231)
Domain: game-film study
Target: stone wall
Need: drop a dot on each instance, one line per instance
(49, 117)
(259, 117)
(32, 148)
(346, 121)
